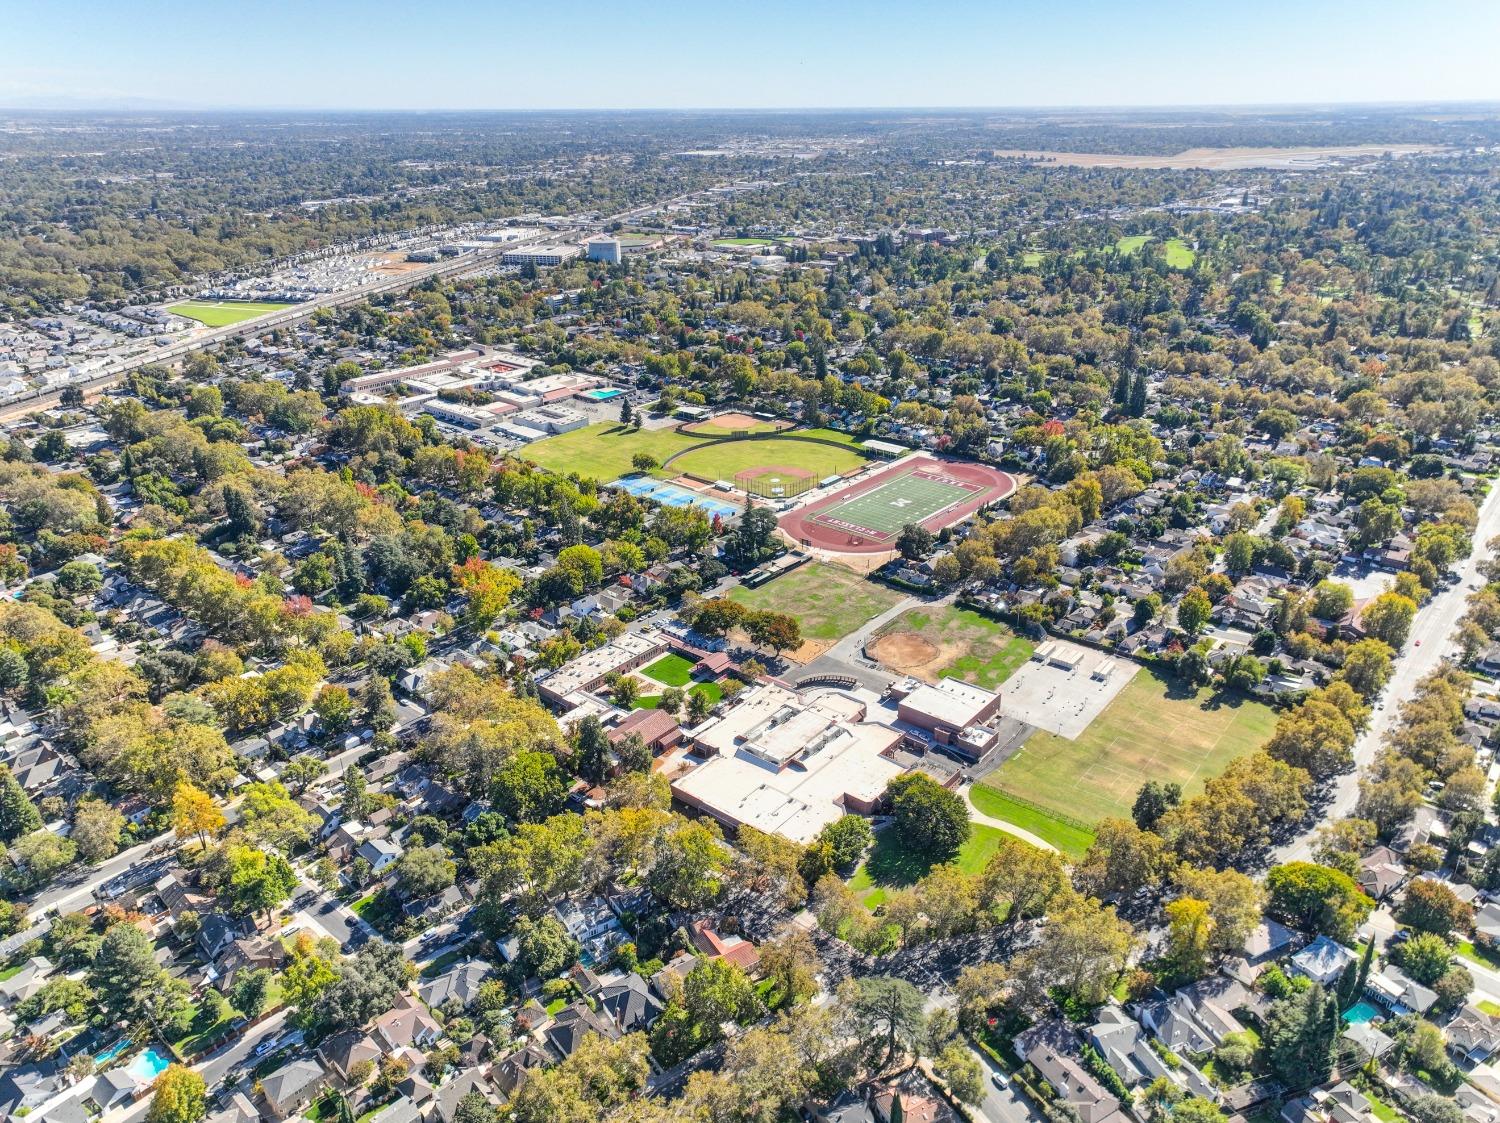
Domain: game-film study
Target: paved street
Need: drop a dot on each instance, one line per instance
(1003, 1105)
(1431, 638)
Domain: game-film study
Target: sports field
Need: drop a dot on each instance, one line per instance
(950, 642)
(828, 601)
(222, 313)
(603, 451)
(725, 461)
(884, 510)
(1150, 731)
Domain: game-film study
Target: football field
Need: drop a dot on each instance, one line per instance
(884, 510)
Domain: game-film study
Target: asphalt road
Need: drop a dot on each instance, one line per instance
(1002, 1105)
(1431, 638)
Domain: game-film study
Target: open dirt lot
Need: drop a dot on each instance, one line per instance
(1227, 159)
(949, 642)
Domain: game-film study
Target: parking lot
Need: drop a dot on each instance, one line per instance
(1065, 699)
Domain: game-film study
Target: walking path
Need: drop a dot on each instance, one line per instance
(1000, 824)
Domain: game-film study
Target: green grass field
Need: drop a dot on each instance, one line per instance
(710, 690)
(970, 646)
(888, 867)
(670, 670)
(828, 601)
(883, 511)
(1151, 731)
(724, 461)
(1178, 253)
(603, 451)
(222, 313)
(746, 242)
(1067, 837)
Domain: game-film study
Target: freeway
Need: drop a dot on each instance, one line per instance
(1431, 639)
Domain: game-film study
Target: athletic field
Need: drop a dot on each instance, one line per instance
(884, 510)
(1152, 730)
(222, 313)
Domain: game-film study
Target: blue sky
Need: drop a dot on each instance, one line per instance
(385, 54)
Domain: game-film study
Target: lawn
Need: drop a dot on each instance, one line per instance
(1153, 730)
(602, 451)
(1179, 254)
(888, 866)
(670, 670)
(710, 690)
(1489, 1006)
(222, 313)
(11, 971)
(1032, 258)
(1480, 955)
(961, 644)
(828, 601)
(724, 461)
(745, 242)
(1066, 836)
(359, 907)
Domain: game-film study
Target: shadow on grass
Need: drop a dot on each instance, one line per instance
(1177, 690)
(890, 865)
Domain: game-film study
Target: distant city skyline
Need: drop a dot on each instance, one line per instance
(777, 54)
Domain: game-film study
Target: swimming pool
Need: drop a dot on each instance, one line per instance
(601, 395)
(147, 1066)
(675, 495)
(112, 1052)
(1362, 1012)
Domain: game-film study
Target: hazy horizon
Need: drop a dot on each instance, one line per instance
(954, 54)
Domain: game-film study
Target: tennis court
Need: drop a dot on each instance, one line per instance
(675, 495)
(884, 510)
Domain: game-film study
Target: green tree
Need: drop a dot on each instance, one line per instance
(1300, 1034)
(1318, 897)
(530, 787)
(125, 974)
(848, 838)
(960, 1069)
(96, 829)
(718, 991)
(887, 1017)
(931, 822)
(18, 815)
(258, 880)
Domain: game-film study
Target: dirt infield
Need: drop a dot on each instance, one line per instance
(726, 423)
(804, 527)
(905, 651)
(1227, 159)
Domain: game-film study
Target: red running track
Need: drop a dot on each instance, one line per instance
(995, 484)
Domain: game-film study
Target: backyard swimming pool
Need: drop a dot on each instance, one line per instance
(1362, 1012)
(674, 495)
(146, 1067)
(112, 1052)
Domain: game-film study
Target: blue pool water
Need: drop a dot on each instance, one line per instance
(113, 1051)
(146, 1067)
(1362, 1012)
(674, 495)
(601, 395)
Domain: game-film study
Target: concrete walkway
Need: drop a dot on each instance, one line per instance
(1000, 824)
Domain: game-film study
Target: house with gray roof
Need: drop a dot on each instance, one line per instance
(459, 983)
(1323, 961)
(292, 1086)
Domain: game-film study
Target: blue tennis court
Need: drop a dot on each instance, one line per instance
(674, 495)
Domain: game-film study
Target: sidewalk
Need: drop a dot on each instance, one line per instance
(1000, 824)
